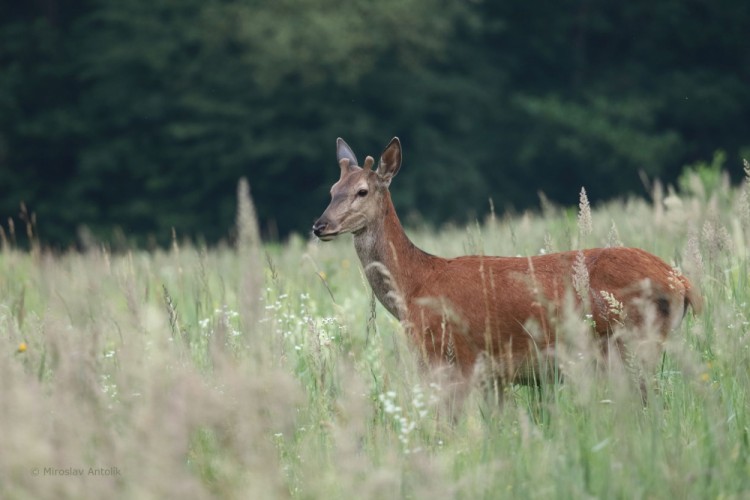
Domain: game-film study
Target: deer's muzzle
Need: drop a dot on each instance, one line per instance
(324, 230)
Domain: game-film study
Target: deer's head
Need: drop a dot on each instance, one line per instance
(357, 197)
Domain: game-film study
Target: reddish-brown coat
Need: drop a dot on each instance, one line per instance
(506, 307)
(486, 304)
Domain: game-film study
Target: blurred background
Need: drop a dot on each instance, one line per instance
(124, 120)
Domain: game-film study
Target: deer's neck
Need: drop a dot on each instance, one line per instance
(394, 266)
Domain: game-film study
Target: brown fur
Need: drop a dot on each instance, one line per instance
(459, 310)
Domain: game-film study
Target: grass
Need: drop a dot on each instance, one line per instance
(269, 372)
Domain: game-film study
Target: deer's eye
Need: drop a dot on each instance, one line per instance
(362, 193)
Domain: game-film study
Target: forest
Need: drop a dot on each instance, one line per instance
(133, 121)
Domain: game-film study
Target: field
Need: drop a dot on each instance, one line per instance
(268, 371)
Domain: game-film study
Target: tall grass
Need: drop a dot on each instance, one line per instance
(269, 372)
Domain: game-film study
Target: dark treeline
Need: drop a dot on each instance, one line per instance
(141, 115)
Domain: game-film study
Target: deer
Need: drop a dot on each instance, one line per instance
(470, 311)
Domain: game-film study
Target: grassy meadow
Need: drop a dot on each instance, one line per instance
(268, 371)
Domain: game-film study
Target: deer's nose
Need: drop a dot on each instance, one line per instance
(319, 227)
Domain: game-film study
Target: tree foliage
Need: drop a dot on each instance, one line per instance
(142, 115)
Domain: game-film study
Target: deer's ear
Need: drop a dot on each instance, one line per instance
(390, 161)
(344, 151)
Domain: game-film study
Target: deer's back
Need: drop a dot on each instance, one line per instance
(509, 305)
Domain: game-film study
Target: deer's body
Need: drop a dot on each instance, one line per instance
(457, 310)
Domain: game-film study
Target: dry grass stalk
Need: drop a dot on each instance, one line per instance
(585, 223)
(251, 264)
(581, 277)
(744, 201)
(693, 258)
(613, 238)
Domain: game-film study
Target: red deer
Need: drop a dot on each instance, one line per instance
(464, 310)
